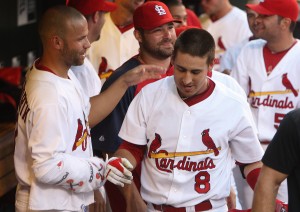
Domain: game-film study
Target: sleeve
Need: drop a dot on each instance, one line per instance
(51, 163)
(227, 60)
(244, 143)
(282, 153)
(136, 150)
(239, 71)
(134, 125)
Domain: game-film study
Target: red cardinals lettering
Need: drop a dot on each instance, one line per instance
(208, 142)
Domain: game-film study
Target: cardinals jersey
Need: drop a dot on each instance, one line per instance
(189, 145)
(113, 49)
(226, 35)
(88, 78)
(53, 152)
(270, 96)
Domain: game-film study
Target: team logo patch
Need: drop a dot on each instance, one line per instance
(288, 85)
(160, 10)
(208, 142)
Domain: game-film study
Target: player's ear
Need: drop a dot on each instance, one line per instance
(211, 65)
(95, 17)
(138, 35)
(57, 42)
(285, 23)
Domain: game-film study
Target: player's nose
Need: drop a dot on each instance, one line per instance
(187, 78)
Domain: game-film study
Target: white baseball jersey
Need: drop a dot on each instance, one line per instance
(269, 98)
(88, 78)
(189, 148)
(229, 82)
(53, 152)
(115, 47)
(229, 31)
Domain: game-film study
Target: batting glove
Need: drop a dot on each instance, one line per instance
(117, 171)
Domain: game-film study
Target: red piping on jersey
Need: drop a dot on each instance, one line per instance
(200, 97)
(124, 29)
(42, 67)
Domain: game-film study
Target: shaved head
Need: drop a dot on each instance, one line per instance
(57, 20)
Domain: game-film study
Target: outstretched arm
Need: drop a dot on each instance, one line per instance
(104, 103)
(266, 189)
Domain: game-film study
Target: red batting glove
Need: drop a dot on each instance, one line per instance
(117, 171)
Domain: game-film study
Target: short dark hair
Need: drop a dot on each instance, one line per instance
(196, 42)
(55, 19)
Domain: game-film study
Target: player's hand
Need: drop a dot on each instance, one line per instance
(141, 73)
(117, 171)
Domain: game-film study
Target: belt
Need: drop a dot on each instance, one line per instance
(202, 206)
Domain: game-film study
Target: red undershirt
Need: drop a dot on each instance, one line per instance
(272, 59)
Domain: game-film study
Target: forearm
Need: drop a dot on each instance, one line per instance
(104, 103)
(130, 192)
(266, 190)
(72, 173)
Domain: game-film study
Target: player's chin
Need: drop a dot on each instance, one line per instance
(186, 92)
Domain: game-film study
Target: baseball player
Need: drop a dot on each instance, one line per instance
(117, 43)
(228, 27)
(53, 156)
(183, 139)
(154, 30)
(94, 12)
(268, 70)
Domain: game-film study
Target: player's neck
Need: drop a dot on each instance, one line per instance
(58, 68)
(282, 44)
(147, 59)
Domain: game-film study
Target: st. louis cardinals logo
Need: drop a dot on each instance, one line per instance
(288, 85)
(165, 162)
(103, 70)
(81, 136)
(160, 10)
(208, 142)
(155, 144)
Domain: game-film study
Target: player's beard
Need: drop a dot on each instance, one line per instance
(158, 51)
(72, 57)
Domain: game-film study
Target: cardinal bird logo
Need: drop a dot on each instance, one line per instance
(155, 144)
(102, 66)
(208, 142)
(288, 85)
(81, 136)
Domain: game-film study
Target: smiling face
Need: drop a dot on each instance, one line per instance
(75, 43)
(190, 74)
(268, 27)
(158, 42)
